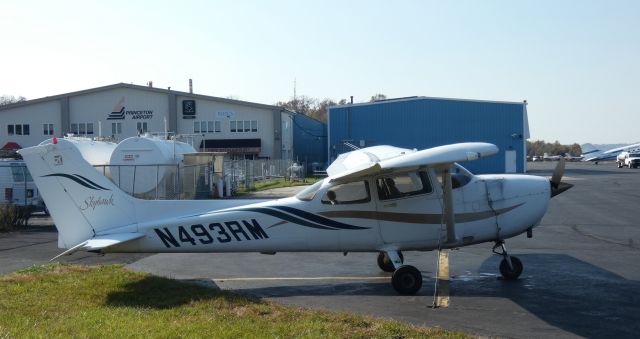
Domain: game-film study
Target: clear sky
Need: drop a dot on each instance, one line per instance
(577, 63)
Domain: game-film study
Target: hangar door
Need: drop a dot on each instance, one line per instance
(510, 161)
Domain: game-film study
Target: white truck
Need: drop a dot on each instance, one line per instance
(17, 186)
(629, 159)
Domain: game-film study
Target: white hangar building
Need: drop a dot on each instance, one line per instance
(243, 129)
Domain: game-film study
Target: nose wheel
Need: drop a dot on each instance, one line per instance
(510, 266)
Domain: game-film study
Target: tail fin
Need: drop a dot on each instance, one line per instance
(81, 201)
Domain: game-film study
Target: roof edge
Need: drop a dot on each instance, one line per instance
(138, 87)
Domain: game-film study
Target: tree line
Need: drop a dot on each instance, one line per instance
(540, 147)
(317, 108)
(10, 99)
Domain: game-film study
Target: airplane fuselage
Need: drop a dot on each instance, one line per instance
(487, 208)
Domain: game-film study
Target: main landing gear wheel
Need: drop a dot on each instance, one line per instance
(513, 272)
(385, 263)
(510, 266)
(407, 280)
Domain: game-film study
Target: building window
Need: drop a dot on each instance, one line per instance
(196, 127)
(25, 129)
(142, 127)
(210, 126)
(244, 126)
(47, 129)
(116, 128)
(218, 126)
(82, 128)
(18, 129)
(10, 129)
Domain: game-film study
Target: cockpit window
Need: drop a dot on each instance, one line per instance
(460, 176)
(349, 193)
(403, 185)
(310, 192)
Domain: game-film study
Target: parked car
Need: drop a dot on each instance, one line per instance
(17, 185)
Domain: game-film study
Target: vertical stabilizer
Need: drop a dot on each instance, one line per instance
(82, 201)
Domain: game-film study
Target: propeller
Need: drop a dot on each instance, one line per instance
(557, 186)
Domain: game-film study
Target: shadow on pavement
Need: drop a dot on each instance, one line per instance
(589, 301)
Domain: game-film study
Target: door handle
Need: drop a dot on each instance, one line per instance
(393, 204)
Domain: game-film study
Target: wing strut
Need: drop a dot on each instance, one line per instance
(447, 200)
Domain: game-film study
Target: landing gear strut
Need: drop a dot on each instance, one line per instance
(385, 263)
(510, 266)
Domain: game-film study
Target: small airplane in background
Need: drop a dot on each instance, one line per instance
(547, 157)
(378, 199)
(569, 157)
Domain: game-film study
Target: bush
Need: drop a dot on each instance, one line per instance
(12, 216)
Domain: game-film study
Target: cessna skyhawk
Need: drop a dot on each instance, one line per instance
(378, 199)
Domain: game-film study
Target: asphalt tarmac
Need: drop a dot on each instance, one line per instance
(581, 269)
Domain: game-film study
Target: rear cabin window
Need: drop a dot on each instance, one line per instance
(350, 193)
(403, 185)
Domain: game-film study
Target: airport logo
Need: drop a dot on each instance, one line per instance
(119, 112)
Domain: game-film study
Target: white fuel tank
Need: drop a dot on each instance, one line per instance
(97, 153)
(142, 164)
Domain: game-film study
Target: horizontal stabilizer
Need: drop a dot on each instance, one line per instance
(101, 242)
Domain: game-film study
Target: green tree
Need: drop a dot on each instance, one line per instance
(10, 99)
(377, 97)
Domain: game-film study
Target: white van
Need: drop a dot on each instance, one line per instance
(17, 186)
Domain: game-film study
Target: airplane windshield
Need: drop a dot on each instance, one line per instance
(310, 192)
(634, 155)
(460, 176)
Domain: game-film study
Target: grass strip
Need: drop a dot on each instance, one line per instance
(62, 300)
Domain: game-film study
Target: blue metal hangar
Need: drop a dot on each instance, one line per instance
(424, 122)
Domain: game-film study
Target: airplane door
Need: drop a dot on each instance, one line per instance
(510, 161)
(408, 208)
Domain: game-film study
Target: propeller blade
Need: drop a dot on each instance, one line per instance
(557, 186)
(557, 173)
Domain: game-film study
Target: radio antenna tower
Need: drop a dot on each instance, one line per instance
(294, 89)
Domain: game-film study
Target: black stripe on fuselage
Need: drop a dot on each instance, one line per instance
(285, 216)
(79, 180)
(318, 219)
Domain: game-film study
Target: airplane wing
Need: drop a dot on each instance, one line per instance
(372, 160)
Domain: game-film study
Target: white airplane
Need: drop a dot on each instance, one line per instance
(378, 199)
(547, 157)
(596, 155)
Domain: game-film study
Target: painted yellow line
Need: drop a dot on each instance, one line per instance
(300, 278)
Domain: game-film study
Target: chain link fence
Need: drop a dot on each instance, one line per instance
(173, 182)
(245, 174)
(163, 182)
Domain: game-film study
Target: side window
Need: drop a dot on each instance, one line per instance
(350, 193)
(403, 185)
